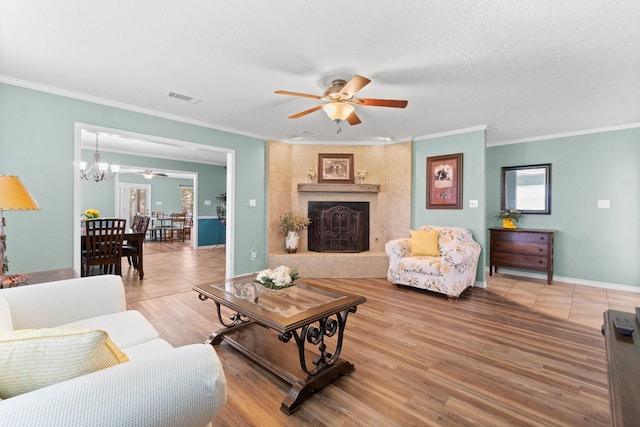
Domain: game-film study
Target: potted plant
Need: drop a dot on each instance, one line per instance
(289, 225)
(509, 217)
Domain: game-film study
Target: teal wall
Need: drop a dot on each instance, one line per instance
(591, 244)
(37, 144)
(472, 146)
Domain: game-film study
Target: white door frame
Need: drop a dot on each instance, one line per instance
(123, 189)
(231, 161)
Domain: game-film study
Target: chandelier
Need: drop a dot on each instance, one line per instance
(97, 171)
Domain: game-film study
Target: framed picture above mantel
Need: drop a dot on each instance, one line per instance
(444, 182)
(335, 168)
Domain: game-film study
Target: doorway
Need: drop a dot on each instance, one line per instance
(133, 199)
(144, 145)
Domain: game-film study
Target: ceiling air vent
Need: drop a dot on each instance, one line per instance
(183, 97)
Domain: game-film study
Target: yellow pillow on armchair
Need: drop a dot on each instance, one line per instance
(424, 243)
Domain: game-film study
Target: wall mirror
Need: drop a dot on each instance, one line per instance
(527, 188)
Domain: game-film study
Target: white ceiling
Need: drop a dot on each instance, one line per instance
(524, 69)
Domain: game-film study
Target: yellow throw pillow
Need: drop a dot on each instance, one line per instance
(35, 358)
(424, 243)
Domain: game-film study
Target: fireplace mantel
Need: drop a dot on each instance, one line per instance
(339, 188)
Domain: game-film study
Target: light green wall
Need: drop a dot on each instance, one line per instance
(37, 144)
(591, 244)
(472, 146)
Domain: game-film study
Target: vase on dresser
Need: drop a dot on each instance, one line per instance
(291, 242)
(508, 223)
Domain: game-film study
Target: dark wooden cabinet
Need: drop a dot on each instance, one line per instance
(623, 367)
(525, 249)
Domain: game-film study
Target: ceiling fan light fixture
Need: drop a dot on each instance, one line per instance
(338, 111)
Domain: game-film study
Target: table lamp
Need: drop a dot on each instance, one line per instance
(13, 197)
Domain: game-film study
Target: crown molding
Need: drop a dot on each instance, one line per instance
(121, 105)
(566, 134)
(452, 132)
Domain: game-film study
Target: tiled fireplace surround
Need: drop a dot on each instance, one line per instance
(387, 189)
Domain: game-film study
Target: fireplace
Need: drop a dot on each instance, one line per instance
(338, 226)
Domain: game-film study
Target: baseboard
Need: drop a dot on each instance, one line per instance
(581, 282)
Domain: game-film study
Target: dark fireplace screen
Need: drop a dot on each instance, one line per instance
(339, 226)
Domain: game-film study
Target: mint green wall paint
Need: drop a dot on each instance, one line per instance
(37, 143)
(592, 244)
(472, 145)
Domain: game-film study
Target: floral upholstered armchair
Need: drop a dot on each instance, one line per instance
(438, 259)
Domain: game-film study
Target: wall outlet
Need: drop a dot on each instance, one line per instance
(254, 254)
(473, 203)
(207, 202)
(604, 204)
(252, 203)
(158, 203)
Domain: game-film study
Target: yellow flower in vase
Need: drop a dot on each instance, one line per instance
(91, 214)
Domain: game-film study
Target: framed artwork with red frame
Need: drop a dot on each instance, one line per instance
(444, 182)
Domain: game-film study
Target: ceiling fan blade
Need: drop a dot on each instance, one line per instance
(304, 95)
(395, 103)
(353, 119)
(305, 112)
(355, 84)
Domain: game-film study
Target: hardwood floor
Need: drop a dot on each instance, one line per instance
(517, 353)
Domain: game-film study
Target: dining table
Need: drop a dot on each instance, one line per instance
(131, 237)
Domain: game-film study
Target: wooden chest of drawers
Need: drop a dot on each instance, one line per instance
(525, 249)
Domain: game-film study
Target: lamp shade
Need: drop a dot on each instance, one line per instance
(14, 196)
(338, 110)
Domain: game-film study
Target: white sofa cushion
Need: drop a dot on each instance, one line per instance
(126, 328)
(422, 264)
(6, 324)
(47, 305)
(147, 349)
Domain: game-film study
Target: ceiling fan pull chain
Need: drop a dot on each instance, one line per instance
(338, 125)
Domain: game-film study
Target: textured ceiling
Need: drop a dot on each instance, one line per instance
(524, 69)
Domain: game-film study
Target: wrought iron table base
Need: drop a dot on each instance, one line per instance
(306, 370)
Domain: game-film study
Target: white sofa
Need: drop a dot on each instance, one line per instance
(159, 386)
(449, 273)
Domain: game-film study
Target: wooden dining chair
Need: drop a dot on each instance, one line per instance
(155, 228)
(188, 225)
(103, 245)
(131, 249)
(177, 226)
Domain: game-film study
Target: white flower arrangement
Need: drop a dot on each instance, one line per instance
(362, 173)
(278, 278)
(311, 172)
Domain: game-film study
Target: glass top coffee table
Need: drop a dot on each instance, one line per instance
(314, 317)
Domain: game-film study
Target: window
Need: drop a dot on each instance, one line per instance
(186, 199)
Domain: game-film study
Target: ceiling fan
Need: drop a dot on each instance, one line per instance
(148, 174)
(340, 100)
